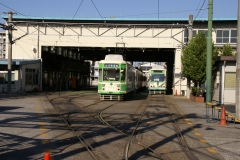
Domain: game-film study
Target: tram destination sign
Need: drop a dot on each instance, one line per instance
(111, 65)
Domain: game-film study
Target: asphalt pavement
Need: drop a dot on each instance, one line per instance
(29, 128)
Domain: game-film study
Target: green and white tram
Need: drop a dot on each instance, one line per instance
(157, 81)
(116, 78)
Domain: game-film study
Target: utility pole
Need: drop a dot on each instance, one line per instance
(209, 54)
(9, 52)
(237, 107)
(190, 35)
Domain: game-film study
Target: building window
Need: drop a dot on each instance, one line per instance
(205, 32)
(78, 56)
(195, 32)
(233, 38)
(59, 51)
(185, 36)
(45, 48)
(31, 76)
(74, 55)
(70, 54)
(53, 49)
(4, 78)
(226, 36)
(230, 80)
(65, 52)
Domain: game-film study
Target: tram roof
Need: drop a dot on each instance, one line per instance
(165, 19)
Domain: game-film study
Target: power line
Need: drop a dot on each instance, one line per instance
(101, 16)
(14, 10)
(172, 12)
(203, 11)
(198, 5)
(78, 9)
(24, 51)
(97, 9)
(200, 10)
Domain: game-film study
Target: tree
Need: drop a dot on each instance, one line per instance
(227, 50)
(194, 59)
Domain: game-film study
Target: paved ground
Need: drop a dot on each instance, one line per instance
(223, 139)
(26, 130)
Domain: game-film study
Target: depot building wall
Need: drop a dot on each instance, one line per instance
(33, 37)
(55, 37)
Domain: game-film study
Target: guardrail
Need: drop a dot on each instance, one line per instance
(211, 117)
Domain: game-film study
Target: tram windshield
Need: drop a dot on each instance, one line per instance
(157, 77)
(111, 74)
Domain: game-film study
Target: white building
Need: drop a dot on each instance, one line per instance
(64, 43)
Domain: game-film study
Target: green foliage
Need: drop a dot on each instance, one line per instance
(197, 91)
(227, 50)
(194, 59)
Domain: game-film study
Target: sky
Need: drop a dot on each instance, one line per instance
(119, 8)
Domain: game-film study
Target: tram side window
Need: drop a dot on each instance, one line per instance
(123, 75)
(100, 75)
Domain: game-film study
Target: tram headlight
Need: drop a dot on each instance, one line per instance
(163, 85)
(118, 85)
(103, 85)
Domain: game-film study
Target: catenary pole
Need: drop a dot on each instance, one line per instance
(190, 35)
(238, 67)
(209, 54)
(9, 52)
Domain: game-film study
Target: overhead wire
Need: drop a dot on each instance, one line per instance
(14, 10)
(204, 10)
(24, 51)
(32, 39)
(177, 11)
(101, 15)
(197, 6)
(97, 9)
(78, 9)
(200, 10)
(38, 29)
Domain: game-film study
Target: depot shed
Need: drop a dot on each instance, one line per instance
(225, 83)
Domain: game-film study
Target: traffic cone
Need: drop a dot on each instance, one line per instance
(175, 93)
(47, 156)
(223, 118)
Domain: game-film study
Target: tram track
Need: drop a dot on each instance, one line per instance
(95, 154)
(180, 136)
(77, 134)
(174, 121)
(132, 136)
(99, 116)
(66, 118)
